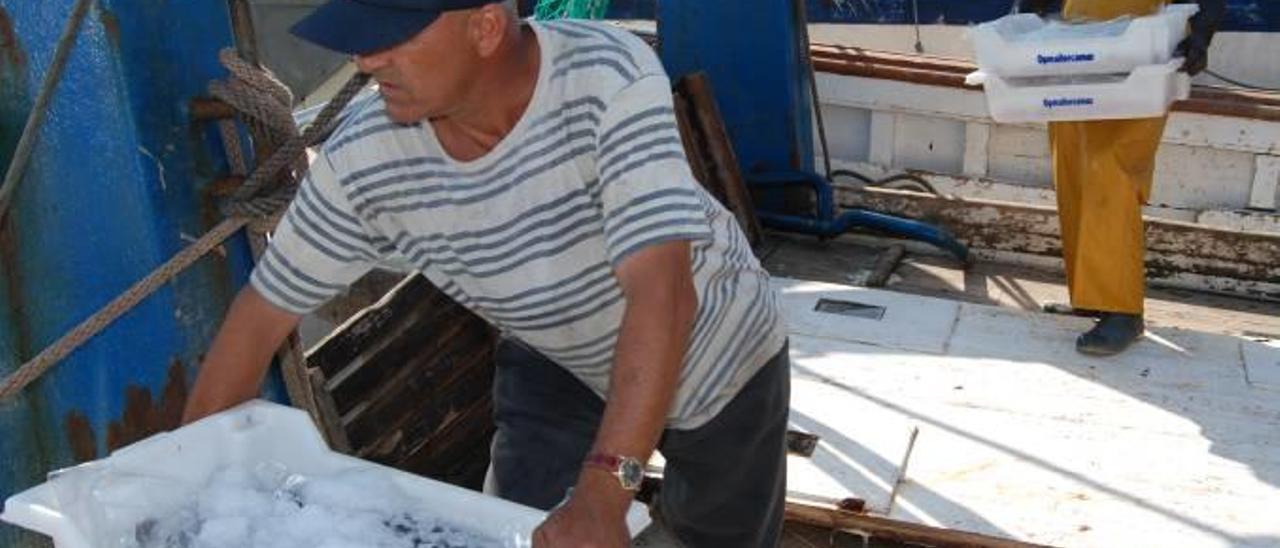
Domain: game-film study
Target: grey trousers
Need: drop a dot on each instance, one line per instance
(724, 484)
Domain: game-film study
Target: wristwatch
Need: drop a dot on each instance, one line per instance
(628, 470)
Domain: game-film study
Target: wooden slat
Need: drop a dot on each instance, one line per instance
(893, 530)
(326, 414)
(425, 336)
(466, 469)
(418, 401)
(691, 138)
(722, 163)
(407, 382)
(413, 296)
(455, 440)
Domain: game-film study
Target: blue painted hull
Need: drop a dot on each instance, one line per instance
(116, 186)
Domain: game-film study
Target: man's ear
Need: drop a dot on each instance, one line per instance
(487, 28)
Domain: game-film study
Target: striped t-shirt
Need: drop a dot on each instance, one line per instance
(528, 235)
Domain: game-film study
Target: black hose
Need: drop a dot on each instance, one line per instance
(852, 175)
(913, 182)
(1245, 85)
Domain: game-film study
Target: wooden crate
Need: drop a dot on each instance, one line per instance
(407, 382)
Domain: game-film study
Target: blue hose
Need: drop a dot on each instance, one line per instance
(827, 224)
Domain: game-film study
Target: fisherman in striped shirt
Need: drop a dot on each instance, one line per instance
(534, 172)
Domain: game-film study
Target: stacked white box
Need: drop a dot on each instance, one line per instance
(1037, 70)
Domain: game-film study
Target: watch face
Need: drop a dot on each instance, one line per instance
(631, 473)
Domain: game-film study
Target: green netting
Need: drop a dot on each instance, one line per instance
(570, 9)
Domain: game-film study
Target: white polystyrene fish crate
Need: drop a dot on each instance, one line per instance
(1147, 92)
(146, 493)
(1026, 45)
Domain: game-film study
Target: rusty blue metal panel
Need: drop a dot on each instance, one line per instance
(115, 187)
(754, 52)
(751, 50)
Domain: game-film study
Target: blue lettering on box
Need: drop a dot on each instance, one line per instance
(1065, 58)
(1060, 102)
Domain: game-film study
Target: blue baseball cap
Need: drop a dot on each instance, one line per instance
(361, 27)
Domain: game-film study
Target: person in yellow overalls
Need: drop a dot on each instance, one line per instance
(1103, 172)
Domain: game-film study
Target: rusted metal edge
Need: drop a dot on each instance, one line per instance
(208, 108)
(894, 530)
(1173, 247)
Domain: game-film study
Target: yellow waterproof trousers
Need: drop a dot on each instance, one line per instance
(1103, 173)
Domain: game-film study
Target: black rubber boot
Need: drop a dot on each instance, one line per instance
(1112, 335)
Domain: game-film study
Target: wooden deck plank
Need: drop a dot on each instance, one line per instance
(925, 329)
(1262, 364)
(849, 260)
(1167, 445)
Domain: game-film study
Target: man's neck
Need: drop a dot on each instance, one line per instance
(500, 98)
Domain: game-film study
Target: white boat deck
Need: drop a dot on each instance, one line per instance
(1174, 443)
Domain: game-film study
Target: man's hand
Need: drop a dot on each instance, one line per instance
(233, 369)
(1204, 24)
(594, 517)
(1195, 49)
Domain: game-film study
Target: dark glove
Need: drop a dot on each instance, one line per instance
(1195, 49)
(1203, 26)
(1038, 7)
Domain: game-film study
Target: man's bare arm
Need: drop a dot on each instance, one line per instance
(237, 361)
(657, 283)
(661, 305)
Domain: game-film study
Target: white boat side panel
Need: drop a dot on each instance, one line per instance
(1206, 163)
(894, 96)
(882, 133)
(977, 149)
(848, 133)
(1225, 132)
(1249, 221)
(1266, 177)
(1202, 178)
(929, 143)
(1020, 154)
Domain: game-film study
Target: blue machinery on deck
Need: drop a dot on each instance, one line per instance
(828, 223)
(756, 54)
